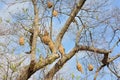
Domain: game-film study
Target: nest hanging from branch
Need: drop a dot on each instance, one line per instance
(90, 67)
(79, 67)
(46, 40)
(21, 40)
(50, 43)
(55, 13)
(49, 4)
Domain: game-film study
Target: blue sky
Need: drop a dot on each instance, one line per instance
(116, 3)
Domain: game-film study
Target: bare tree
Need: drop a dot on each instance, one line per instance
(92, 27)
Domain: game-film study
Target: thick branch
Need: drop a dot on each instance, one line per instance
(35, 30)
(105, 59)
(93, 49)
(34, 36)
(60, 63)
(28, 71)
(78, 35)
(25, 73)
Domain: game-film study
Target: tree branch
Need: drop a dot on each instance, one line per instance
(93, 49)
(60, 64)
(25, 74)
(105, 62)
(68, 56)
(28, 71)
(113, 58)
(95, 77)
(116, 74)
(73, 13)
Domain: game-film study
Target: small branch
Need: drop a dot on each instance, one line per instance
(81, 21)
(44, 62)
(80, 31)
(116, 74)
(113, 58)
(78, 35)
(51, 26)
(98, 70)
(115, 44)
(23, 26)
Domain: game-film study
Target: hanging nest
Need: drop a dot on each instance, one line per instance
(55, 13)
(21, 40)
(79, 67)
(46, 39)
(90, 67)
(62, 50)
(51, 46)
(49, 4)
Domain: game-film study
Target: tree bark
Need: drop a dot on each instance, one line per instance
(25, 73)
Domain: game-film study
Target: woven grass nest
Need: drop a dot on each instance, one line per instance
(90, 67)
(55, 13)
(21, 40)
(49, 4)
(79, 67)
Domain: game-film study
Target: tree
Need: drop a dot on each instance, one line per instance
(86, 22)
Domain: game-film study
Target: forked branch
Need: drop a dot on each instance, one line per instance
(68, 56)
(73, 14)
